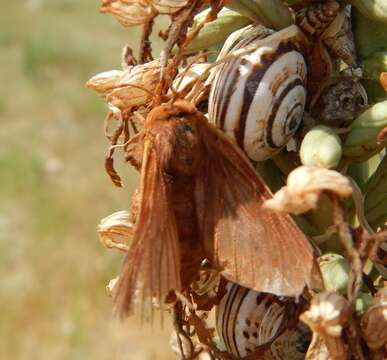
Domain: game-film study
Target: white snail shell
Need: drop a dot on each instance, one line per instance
(247, 319)
(258, 97)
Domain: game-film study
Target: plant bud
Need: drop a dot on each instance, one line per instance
(321, 146)
(303, 189)
(361, 142)
(335, 272)
(363, 301)
(116, 230)
(216, 31)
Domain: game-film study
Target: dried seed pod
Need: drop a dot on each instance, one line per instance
(249, 321)
(304, 186)
(314, 19)
(129, 12)
(340, 102)
(259, 97)
(116, 230)
(374, 321)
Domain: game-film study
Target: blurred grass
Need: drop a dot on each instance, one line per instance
(53, 189)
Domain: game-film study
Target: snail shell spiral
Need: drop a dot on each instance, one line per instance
(249, 321)
(314, 19)
(258, 97)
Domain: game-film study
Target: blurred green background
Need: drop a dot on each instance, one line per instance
(53, 189)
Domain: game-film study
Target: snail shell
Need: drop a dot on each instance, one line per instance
(339, 38)
(314, 19)
(248, 321)
(258, 95)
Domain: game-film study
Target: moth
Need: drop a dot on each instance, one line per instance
(199, 197)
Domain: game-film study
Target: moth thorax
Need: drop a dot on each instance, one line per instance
(187, 147)
(249, 321)
(259, 98)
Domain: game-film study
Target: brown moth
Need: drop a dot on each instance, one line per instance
(199, 197)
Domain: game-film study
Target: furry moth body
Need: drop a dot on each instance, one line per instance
(199, 197)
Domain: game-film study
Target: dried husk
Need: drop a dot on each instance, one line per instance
(304, 186)
(169, 6)
(374, 321)
(129, 12)
(115, 231)
(328, 314)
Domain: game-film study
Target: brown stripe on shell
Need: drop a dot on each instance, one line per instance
(252, 84)
(270, 122)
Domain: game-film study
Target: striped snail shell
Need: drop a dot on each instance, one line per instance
(248, 321)
(258, 94)
(314, 19)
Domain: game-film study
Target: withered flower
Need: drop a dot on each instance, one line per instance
(169, 6)
(104, 82)
(110, 285)
(115, 231)
(304, 186)
(328, 314)
(128, 89)
(374, 321)
(129, 12)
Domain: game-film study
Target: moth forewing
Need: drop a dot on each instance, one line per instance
(152, 267)
(254, 247)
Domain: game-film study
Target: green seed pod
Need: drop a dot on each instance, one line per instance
(321, 146)
(375, 204)
(273, 14)
(361, 142)
(217, 31)
(335, 272)
(363, 301)
(375, 10)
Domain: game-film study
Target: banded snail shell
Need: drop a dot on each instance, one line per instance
(258, 96)
(248, 320)
(314, 19)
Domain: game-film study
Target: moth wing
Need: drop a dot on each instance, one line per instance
(254, 247)
(152, 266)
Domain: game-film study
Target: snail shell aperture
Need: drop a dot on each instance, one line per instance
(258, 97)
